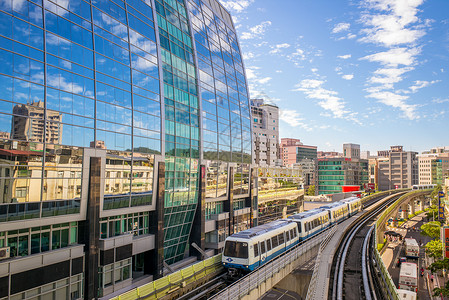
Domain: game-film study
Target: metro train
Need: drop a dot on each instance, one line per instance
(311, 222)
(247, 250)
(337, 211)
(354, 205)
(423, 186)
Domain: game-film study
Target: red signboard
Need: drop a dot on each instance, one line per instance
(350, 188)
(445, 240)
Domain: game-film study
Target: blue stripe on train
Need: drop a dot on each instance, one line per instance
(257, 264)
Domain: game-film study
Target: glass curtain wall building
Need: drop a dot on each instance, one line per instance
(125, 136)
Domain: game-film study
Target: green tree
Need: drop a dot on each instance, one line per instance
(434, 249)
(431, 229)
(437, 266)
(311, 190)
(436, 189)
(442, 291)
(432, 212)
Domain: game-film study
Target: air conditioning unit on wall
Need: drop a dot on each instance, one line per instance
(4, 253)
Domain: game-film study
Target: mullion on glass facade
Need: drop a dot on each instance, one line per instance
(153, 92)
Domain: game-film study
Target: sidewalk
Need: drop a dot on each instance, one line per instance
(438, 281)
(390, 258)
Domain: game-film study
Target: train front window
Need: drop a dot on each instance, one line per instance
(236, 249)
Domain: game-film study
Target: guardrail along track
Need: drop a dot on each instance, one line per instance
(351, 272)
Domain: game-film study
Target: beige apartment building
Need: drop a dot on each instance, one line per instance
(397, 169)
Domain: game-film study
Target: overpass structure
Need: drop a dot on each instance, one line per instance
(257, 283)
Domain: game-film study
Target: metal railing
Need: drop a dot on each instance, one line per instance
(388, 284)
(312, 285)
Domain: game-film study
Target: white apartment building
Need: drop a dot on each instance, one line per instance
(265, 121)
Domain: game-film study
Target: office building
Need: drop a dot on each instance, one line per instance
(125, 137)
(265, 117)
(431, 167)
(365, 155)
(295, 153)
(341, 172)
(336, 172)
(397, 169)
(351, 151)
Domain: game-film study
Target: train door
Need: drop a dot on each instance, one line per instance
(263, 253)
(256, 261)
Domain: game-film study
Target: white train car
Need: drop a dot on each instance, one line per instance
(338, 211)
(311, 222)
(423, 186)
(354, 205)
(249, 249)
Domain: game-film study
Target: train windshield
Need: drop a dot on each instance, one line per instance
(236, 249)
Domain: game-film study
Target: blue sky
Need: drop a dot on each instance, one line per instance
(371, 72)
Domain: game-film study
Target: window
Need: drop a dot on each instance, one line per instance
(262, 247)
(21, 192)
(236, 249)
(268, 244)
(281, 238)
(256, 250)
(274, 241)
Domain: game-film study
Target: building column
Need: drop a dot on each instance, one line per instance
(90, 230)
(228, 205)
(412, 206)
(155, 258)
(404, 211)
(197, 234)
(251, 201)
(421, 202)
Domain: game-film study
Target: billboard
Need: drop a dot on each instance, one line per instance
(445, 239)
(370, 186)
(440, 207)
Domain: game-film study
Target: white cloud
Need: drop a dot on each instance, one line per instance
(395, 56)
(264, 80)
(392, 22)
(348, 76)
(396, 101)
(278, 48)
(236, 5)
(341, 27)
(314, 70)
(248, 55)
(293, 118)
(256, 31)
(256, 83)
(440, 101)
(346, 56)
(278, 71)
(328, 99)
(388, 76)
(419, 84)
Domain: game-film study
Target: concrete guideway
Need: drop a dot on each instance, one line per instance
(327, 256)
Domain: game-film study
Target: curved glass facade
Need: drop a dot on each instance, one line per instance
(134, 82)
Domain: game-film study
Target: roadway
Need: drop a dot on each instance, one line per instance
(396, 249)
